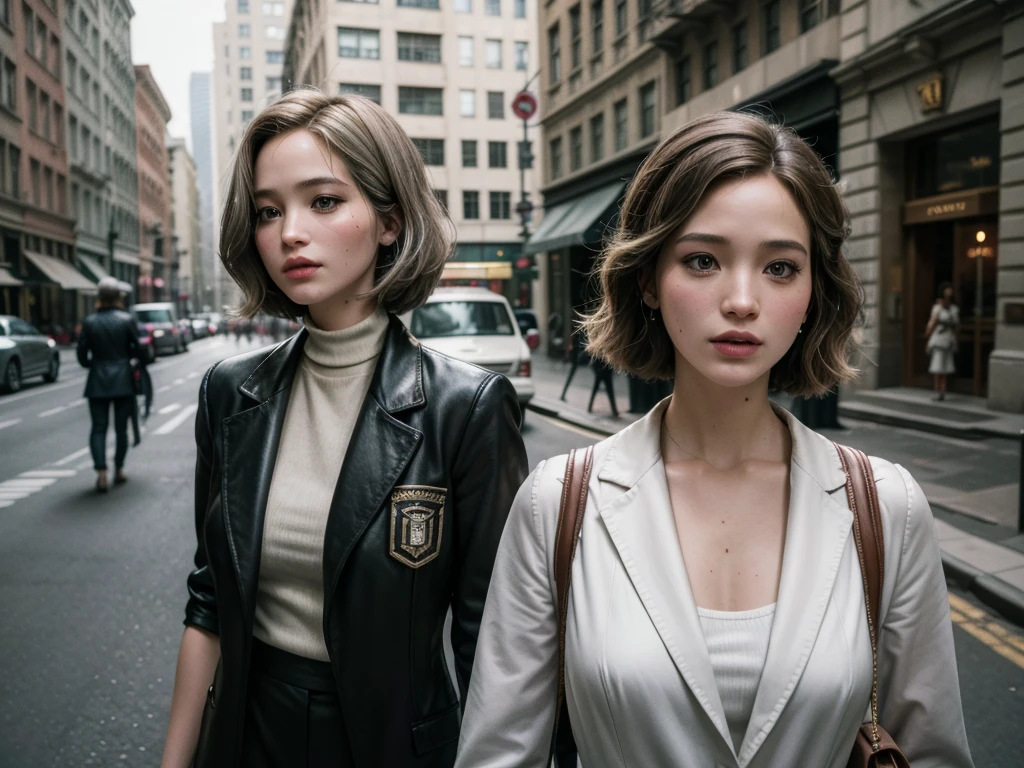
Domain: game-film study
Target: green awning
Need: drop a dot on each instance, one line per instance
(93, 266)
(575, 222)
(60, 272)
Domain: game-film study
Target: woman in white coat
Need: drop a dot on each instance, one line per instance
(716, 615)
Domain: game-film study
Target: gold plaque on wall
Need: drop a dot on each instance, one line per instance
(930, 93)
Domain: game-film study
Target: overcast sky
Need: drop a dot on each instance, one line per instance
(175, 37)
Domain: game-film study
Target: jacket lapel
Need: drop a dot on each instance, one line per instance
(251, 438)
(379, 451)
(643, 531)
(817, 531)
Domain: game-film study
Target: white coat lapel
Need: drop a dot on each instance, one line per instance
(643, 531)
(817, 530)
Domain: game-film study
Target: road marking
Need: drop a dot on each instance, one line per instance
(14, 493)
(70, 458)
(570, 427)
(194, 375)
(52, 411)
(9, 423)
(177, 421)
(976, 622)
(5, 503)
(49, 473)
(84, 465)
(41, 390)
(176, 382)
(34, 483)
(168, 408)
(163, 389)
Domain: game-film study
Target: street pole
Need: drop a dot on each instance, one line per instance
(1020, 488)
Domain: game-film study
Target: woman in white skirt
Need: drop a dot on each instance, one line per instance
(941, 333)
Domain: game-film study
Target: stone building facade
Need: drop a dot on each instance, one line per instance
(156, 250)
(187, 279)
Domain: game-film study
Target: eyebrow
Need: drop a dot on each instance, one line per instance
(773, 245)
(305, 184)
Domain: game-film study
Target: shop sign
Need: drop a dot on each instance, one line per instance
(981, 251)
(930, 93)
(970, 203)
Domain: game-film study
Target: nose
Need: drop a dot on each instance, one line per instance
(294, 233)
(740, 299)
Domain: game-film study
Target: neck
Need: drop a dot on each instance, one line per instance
(341, 312)
(724, 426)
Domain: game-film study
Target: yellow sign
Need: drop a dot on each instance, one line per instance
(930, 93)
(944, 209)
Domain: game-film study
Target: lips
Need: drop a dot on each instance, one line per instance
(298, 267)
(736, 343)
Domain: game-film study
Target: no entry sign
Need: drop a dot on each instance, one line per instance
(524, 105)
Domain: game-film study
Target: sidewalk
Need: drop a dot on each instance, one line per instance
(973, 493)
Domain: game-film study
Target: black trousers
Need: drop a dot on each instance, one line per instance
(292, 715)
(99, 410)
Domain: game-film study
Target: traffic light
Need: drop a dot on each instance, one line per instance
(525, 155)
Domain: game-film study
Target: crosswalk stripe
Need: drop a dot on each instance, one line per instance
(49, 473)
(70, 458)
(177, 421)
(168, 408)
(9, 423)
(14, 494)
(5, 503)
(53, 411)
(29, 482)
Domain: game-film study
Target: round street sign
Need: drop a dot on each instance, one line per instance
(524, 105)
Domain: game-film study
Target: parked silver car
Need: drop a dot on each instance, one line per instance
(25, 352)
(159, 322)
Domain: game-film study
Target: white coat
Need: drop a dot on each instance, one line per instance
(640, 687)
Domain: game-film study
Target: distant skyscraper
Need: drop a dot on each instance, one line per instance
(202, 152)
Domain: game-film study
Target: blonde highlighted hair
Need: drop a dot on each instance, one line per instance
(390, 174)
(665, 192)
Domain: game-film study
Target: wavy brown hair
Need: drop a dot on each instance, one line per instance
(388, 170)
(664, 193)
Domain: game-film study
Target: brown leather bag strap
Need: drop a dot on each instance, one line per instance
(570, 520)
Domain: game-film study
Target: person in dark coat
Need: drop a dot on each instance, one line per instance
(108, 342)
(603, 374)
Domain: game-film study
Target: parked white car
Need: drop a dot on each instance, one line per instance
(477, 325)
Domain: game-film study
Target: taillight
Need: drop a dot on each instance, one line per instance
(524, 369)
(149, 328)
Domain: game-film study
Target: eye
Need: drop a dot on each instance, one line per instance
(266, 214)
(782, 270)
(324, 203)
(700, 263)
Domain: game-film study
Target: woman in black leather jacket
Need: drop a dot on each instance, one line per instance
(351, 485)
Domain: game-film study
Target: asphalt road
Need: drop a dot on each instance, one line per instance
(92, 588)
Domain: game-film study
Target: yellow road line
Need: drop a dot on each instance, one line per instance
(570, 427)
(975, 622)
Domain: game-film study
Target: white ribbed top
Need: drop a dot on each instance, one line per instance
(738, 645)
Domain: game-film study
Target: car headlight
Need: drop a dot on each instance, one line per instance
(157, 334)
(51, 343)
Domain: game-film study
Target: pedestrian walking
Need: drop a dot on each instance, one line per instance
(351, 484)
(737, 590)
(577, 351)
(107, 344)
(941, 333)
(603, 374)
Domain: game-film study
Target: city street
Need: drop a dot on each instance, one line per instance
(92, 587)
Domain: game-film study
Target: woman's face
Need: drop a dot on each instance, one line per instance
(734, 282)
(315, 232)
(947, 296)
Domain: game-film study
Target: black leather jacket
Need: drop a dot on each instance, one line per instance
(108, 341)
(433, 434)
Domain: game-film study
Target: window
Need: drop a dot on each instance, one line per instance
(497, 155)
(430, 5)
(575, 38)
(519, 9)
(810, 15)
(275, 57)
(245, 53)
(496, 105)
(770, 24)
(246, 94)
(470, 204)
(501, 205)
(620, 17)
(372, 92)
(247, 115)
(275, 33)
(244, 30)
(73, 136)
(740, 57)
(34, 172)
(245, 73)
(492, 49)
(416, 47)
(33, 105)
(48, 186)
(369, 2)
(684, 87)
(358, 43)
(5, 17)
(492, 7)
(273, 9)
(647, 110)
(463, 6)
(710, 65)
(467, 103)
(441, 195)
(576, 148)
(597, 25)
(555, 54)
(44, 109)
(10, 85)
(621, 125)
(465, 51)
(243, 6)
(30, 29)
(597, 138)
(555, 149)
(522, 55)
(644, 9)
(468, 153)
(273, 83)
(432, 150)
(14, 158)
(420, 101)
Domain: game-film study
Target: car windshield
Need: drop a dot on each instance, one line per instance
(153, 315)
(461, 318)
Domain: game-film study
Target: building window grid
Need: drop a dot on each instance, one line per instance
(469, 153)
(597, 138)
(356, 43)
(427, 5)
(501, 205)
(575, 38)
(771, 26)
(245, 30)
(555, 150)
(740, 52)
(470, 204)
(495, 105)
(648, 96)
(810, 14)
(420, 101)
(492, 7)
(413, 46)
(372, 92)
(576, 148)
(245, 73)
(245, 94)
(465, 51)
(497, 154)
(710, 65)
(492, 49)
(467, 103)
(620, 18)
(554, 54)
(621, 110)
(684, 83)
(597, 26)
(432, 150)
(519, 9)
(522, 55)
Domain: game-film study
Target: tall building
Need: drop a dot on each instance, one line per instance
(12, 206)
(100, 87)
(156, 250)
(185, 229)
(448, 72)
(209, 268)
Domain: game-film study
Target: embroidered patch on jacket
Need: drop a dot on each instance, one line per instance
(417, 515)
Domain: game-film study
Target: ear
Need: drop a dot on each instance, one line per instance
(391, 227)
(648, 290)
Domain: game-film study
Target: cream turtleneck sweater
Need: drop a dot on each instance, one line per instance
(327, 394)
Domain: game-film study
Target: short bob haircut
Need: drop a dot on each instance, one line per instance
(666, 190)
(390, 174)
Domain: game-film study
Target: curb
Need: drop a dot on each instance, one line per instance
(969, 431)
(554, 413)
